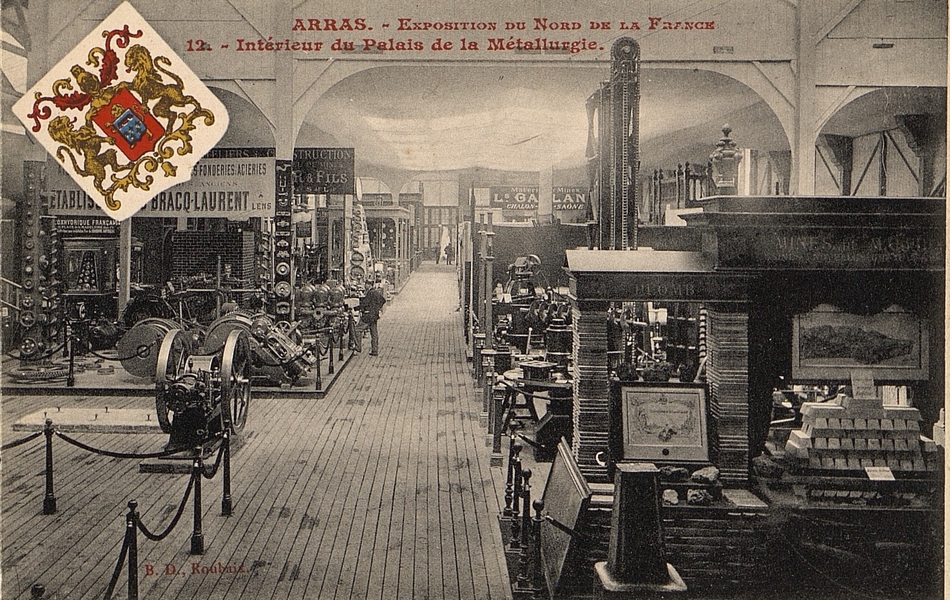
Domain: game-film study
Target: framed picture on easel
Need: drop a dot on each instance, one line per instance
(664, 422)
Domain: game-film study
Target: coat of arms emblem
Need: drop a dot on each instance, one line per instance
(123, 114)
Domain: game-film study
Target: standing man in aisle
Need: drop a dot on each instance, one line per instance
(370, 307)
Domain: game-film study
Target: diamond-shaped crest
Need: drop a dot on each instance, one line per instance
(123, 134)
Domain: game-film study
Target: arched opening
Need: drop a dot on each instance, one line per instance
(887, 142)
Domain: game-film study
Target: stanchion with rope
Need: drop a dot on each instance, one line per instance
(226, 502)
(197, 536)
(49, 498)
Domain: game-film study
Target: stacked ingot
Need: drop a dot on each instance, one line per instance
(727, 371)
(850, 434)
(591, 413)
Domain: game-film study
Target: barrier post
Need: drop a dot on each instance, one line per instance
(131, 532)
(537, 573)
(226, 506)
(342, 333)
(514, 449)
(318, 368)
(515, 542)
(49, 500)
(197, 537)
(330, 351)
(522, 584)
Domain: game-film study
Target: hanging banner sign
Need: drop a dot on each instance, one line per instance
(227, 183)
(324, 171)
(570, 198)
(124, 134)
(514, 198)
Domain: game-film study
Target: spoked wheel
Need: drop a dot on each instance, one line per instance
(236, 379)
(171, 356)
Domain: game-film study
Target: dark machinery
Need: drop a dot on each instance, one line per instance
(209, 394)
(274, 352)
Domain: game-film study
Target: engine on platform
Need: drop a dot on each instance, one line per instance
(275, 353)
(198, 397)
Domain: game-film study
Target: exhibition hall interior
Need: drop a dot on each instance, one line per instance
(317, 299)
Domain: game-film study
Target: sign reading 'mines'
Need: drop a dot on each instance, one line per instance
(324, 171)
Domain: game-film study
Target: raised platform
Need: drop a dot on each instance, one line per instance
(100, 419)
(99, 377)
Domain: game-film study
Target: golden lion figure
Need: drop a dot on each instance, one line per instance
(149, 85)
(88, 143)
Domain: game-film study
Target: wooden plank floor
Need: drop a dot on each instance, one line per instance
(380, 490)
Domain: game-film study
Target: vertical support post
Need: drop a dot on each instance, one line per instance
(131, 532)
(489, 384)
(37, 591)
(330, 351)
(489, 328)
(70, 348)
(49, 499)
(197, 537)
(226, 504)
(635, 558)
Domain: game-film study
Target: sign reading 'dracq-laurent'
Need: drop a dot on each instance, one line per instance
(236, 183)
(324, 171)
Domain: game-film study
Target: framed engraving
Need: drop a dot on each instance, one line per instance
(664, 422)
(830, 344)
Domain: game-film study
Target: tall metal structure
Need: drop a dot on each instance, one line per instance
(613, 152)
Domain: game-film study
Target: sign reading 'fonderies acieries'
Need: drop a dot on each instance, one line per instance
(235, 183)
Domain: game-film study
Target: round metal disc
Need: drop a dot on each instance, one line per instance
(236, 380)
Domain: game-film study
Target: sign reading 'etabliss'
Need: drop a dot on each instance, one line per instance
(124, 134)
(234, 183)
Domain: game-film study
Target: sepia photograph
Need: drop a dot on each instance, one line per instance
(549, 300)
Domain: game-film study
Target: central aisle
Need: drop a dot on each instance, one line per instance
(396, 480)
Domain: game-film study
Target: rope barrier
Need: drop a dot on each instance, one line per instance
(38, 358)
(112, 454)
(16, 443)
(141, 351)
(217, 463)
(171, 526)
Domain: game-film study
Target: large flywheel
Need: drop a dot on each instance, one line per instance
(236, 379)
(172, 353)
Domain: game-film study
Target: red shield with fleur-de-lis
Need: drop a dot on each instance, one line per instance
(133, 129)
